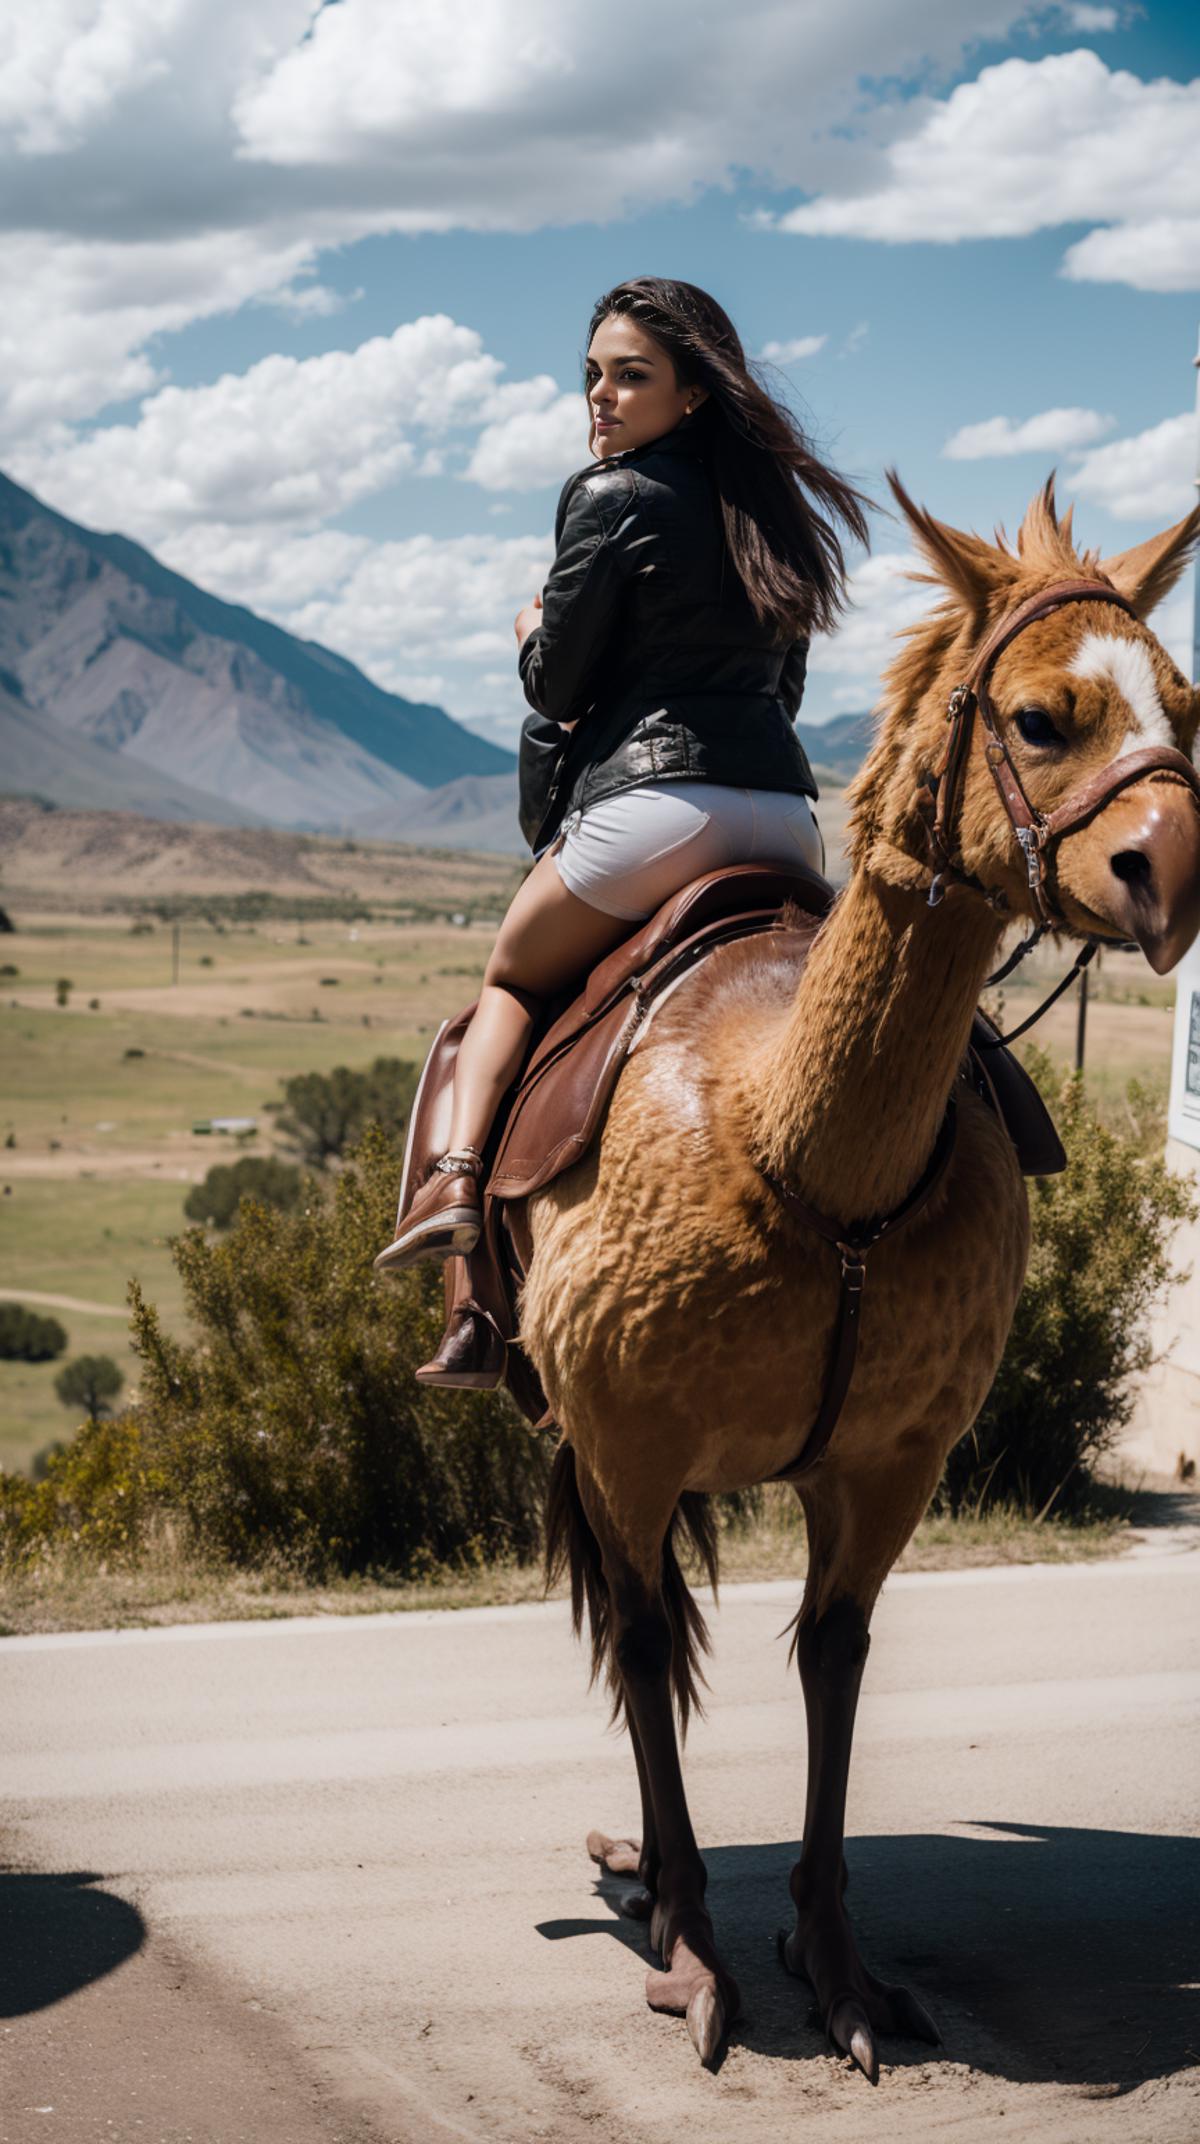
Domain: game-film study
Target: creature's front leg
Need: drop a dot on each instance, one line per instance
(832, 1650)
(693, 1981)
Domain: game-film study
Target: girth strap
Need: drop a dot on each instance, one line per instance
(853, 1242)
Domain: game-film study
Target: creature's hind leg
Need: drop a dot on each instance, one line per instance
(847, 1564)
(693, 1982)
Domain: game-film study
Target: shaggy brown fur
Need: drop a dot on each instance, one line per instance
(680, 1319)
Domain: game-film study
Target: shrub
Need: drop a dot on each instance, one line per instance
(293, 1425)
(27, 1337)
(276, 1183)
(62, 990)
(326, 1113)
(89, 1381)
(97, 1492)
(1099, 1261)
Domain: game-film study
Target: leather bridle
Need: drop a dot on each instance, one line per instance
(1037, 833)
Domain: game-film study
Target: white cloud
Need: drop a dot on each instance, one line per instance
(1163, 253)
(295, 441)
(1093, 20)
(1149, 476)
(78, 313)
(883, 601)
(165, 161)
(271, 572)
(1173, 622)
(412, 604)
(520, 112)
(1030, 145)
(790, 353)
(308, 300)
(533, 446)
(65, 62)
(1052, 431)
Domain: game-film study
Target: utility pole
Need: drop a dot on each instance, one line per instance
(175, 952)
(1196, 567)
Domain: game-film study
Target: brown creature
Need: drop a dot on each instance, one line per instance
(680, 1316)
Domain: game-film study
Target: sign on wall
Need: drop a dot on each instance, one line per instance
(1184, 1116)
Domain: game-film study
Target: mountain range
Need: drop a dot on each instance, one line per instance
(116, 671)
(124, 686)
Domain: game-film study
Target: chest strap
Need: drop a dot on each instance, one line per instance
(853, 1243)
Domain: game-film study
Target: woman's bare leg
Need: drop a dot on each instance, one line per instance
(548, 938)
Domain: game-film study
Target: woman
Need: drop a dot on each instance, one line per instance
(664, 662)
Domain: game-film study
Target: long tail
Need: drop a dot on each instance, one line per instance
(572, 1547)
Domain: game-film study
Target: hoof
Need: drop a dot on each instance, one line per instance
(858, 2014)
(699, 1991)
(849, 2029)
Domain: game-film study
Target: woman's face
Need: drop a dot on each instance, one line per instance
(632, 391)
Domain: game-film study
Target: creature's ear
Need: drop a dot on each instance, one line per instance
(1149, 572)
(967, 566)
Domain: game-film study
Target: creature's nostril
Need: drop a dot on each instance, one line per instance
(1132, 866)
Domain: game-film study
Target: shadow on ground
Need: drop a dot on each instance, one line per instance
(59, 1934)
(1071, 1957)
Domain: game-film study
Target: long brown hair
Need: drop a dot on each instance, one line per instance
(785, 512)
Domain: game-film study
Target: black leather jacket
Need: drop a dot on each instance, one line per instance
(649, 640)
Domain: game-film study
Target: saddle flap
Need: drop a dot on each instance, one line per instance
(1017, 1101)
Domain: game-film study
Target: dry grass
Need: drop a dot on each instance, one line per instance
(68, 1593)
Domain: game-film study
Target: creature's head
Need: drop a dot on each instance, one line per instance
(1075, 691)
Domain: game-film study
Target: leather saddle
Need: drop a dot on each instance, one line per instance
(555, 1111)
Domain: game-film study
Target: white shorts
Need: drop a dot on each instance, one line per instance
(631, 852)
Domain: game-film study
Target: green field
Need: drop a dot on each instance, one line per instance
(100, 1103)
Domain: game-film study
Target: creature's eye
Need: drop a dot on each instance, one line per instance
(1035, 727)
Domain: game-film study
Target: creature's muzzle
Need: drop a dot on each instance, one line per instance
(1142, 868)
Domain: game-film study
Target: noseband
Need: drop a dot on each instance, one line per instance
(1037, 833)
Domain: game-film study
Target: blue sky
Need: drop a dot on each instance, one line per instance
(302, 292)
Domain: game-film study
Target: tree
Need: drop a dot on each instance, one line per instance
(89, 1381)
(277, 1183)
(26, 1337)
(326, 1113)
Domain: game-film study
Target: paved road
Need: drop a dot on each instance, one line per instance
(324, 1880)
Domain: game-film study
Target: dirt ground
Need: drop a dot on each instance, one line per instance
(325, 1879)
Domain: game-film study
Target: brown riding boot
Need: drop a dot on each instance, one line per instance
(471, 1354)
(445, 1216)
